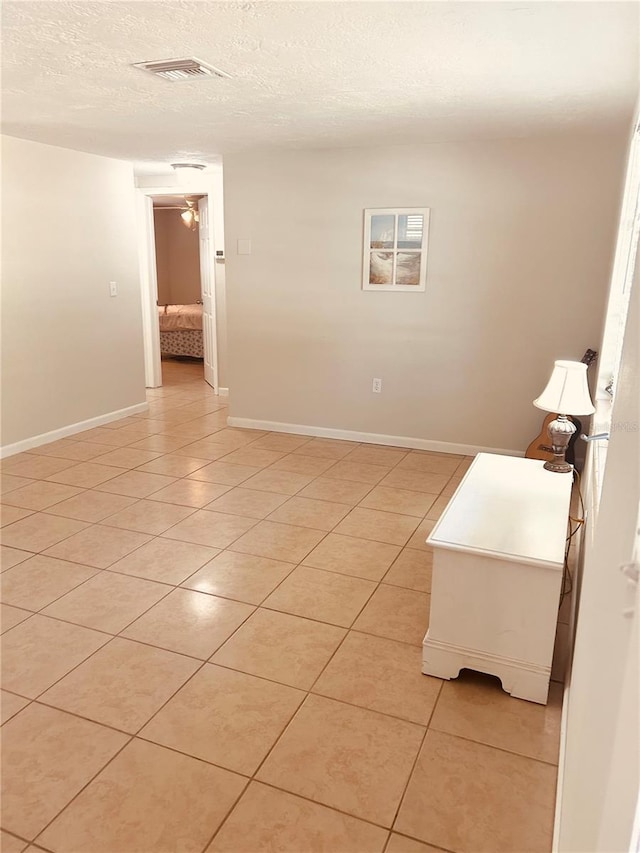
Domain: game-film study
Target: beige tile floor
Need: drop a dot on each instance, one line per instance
(212, 643)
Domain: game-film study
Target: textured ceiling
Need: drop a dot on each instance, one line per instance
(312, 74)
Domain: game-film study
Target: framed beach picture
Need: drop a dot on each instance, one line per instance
(395, 249)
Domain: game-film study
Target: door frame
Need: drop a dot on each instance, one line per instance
(603, 771)
(208, 294)
(149, 276)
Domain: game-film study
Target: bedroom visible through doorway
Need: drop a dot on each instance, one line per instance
(177, 281)
(177, 249)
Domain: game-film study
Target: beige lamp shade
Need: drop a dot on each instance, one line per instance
(567, 392)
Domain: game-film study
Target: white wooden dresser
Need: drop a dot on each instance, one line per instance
(497, 574)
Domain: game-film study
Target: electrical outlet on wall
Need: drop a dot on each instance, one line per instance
(377, 386)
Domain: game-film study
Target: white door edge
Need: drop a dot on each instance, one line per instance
(148, 291)
(208, 292)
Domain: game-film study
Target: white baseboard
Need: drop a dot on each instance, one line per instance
(71, 429)
(371, 437)
(223, 392)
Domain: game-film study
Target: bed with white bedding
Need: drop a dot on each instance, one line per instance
(181, 330)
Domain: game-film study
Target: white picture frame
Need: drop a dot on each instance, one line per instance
(395, 248)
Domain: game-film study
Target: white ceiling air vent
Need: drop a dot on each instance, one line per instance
(180, 69)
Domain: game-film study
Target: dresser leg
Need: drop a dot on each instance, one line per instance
(439, 662)
(531, 686)
(520, 680)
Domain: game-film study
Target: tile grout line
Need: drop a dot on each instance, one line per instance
(86, 785)
(415, 760)
(308, 692)
(377, 583)
(493, 746)
(108, 634)
(168, 592)
(248, 478)
(95, 722)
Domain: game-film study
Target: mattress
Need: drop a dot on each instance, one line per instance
(182, 342)
(180, 318)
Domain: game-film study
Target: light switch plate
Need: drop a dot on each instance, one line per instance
(244, 247)
(113, 288)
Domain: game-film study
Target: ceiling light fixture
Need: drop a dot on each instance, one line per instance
(189, 174)
(188, 166)
(191, 216)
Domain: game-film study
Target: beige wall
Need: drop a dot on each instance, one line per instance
(162, 259)
(70, 352)
(177, 260)
(521, 244)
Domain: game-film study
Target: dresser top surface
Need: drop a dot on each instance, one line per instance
(510, 508)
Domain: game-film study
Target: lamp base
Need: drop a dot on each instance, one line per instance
(560, 431)
(560, 467)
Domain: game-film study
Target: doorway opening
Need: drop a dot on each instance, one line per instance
(177, 282)
(176, 226)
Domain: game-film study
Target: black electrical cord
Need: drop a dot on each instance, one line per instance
(567, 580)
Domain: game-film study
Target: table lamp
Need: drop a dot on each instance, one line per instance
(567, 393)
